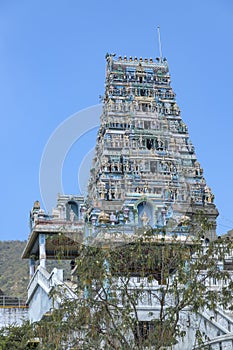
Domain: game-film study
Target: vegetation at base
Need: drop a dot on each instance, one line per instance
(105, 313)
(16, 337)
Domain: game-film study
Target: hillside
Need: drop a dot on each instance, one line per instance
(14, 271)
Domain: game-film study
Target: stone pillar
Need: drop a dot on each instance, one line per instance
(42, 250)
(31, 267)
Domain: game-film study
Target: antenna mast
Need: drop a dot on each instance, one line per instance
(160, 46)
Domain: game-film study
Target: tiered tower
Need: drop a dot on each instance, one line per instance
(145, 170)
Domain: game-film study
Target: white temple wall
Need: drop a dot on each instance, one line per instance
(39, 304)
(12, 315)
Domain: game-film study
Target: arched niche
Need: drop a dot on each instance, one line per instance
(72, 211)
(145, 211)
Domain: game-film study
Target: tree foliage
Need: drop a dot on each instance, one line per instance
(15, 337)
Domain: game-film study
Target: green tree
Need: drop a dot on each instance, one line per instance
(16, 337)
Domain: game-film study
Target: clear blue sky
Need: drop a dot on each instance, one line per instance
(52, 64)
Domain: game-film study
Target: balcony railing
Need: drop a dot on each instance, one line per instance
(12, 302)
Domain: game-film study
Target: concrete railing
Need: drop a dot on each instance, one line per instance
(48, 281)
(218, 343)
(41, 277)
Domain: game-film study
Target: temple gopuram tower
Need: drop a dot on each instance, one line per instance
(145, 171)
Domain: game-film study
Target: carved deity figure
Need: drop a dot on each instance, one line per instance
(110, 194)
(140, 140)
(209, 195)
(145, 219)
(101, 188)
(117, 191)
(72, 215)
(113, 218)
(126, 141)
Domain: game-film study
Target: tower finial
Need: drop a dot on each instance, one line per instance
(160, 46)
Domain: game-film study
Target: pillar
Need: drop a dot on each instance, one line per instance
(31, 267)
(42, 250)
